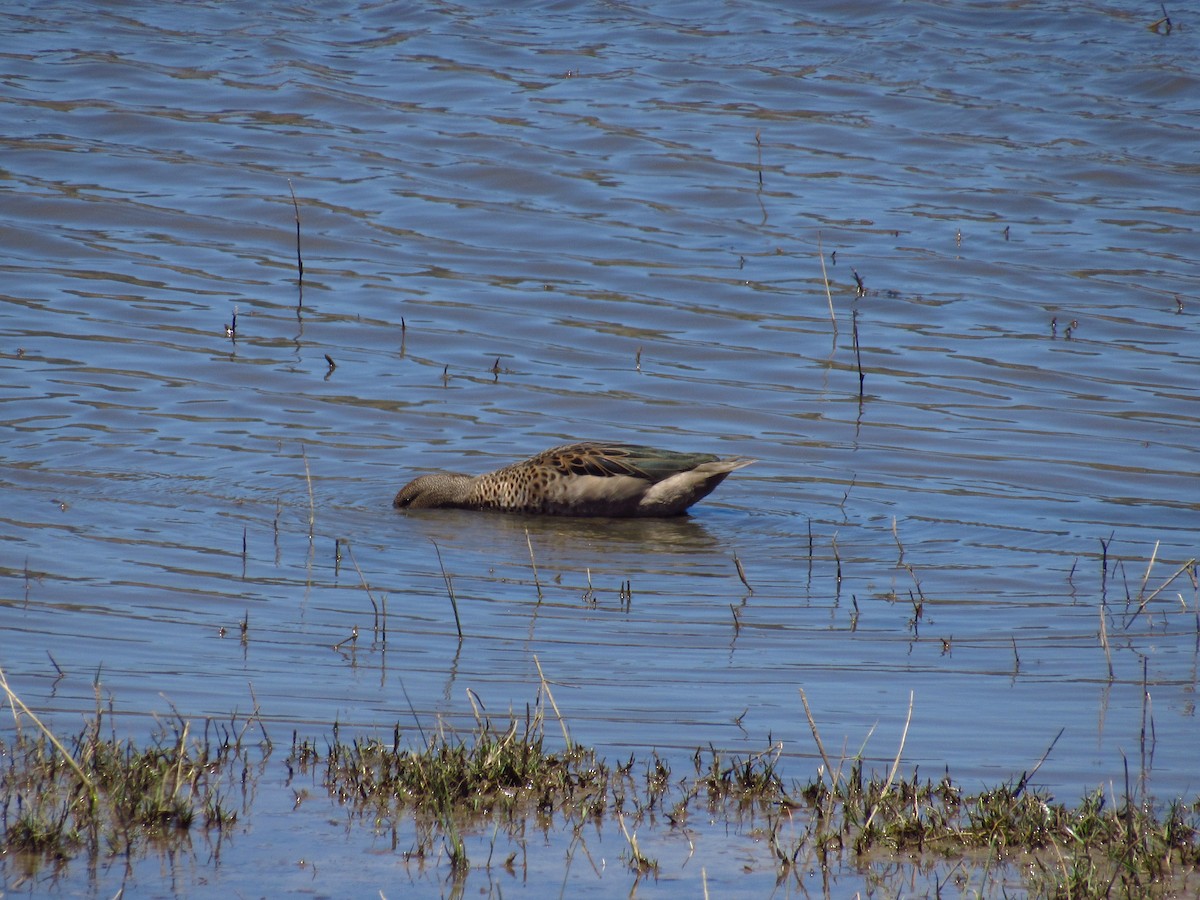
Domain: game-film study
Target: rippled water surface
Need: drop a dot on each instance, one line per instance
(590, 220)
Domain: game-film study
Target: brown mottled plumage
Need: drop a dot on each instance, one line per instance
(587, 479)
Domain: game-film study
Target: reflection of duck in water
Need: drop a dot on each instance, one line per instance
(588, 479)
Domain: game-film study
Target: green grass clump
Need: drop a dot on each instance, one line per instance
(97, 795)
(1102, 847)
(489, 771)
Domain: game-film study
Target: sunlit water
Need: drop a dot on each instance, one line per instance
(592, 221)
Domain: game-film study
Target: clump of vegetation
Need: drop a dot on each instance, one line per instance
(1102, 847)
(96, 794)
(101, 795)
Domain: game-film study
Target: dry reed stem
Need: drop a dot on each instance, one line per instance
(533, 563)
(737, 563)
(1162, 587)
(366, 587)
(639, 861)
(312, 506)
(449, 589)
(895, 764)
(299, 258)
(825, 278)
(858, 353)
(1104, 640)
(1149, 566)
(546, 687)
(16, 701)
(1028, 776)
(817, 737)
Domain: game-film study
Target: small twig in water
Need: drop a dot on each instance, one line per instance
(353, 639)
(1162, 587)
(860, 288)
(1104, 638)
(825, 279)
(1149, 566)
(758, 141)
(1163, 25)
(837, 558)
(533, 563)
(858, 355)
(312, 506)
(1025, 778)
(449, 589)
(366, 587)
(299, 258)
(737, 564)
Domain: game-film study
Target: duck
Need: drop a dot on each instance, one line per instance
(589, 478)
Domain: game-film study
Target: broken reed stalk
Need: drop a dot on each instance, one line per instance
(366, 587)
(1147, 717)
(737, 564)
(812, 724)
(858, 355)
(299, 258)
(16, 701)
(1028, 776)
(533, 563)
(449, 589)
(546, 687)
(758, 141)
(1149, 567)
(256, 716)
(895, 764)
(312, 506)
(837, 558)
(1104, 639)
(825, 278)
(1162, 587)
(638, 861)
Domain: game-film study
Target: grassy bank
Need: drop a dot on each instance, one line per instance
(96, 796)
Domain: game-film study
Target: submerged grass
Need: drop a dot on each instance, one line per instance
(99, 796)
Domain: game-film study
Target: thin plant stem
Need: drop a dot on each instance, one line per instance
(895, 764)
(449, 589)
(546, 687)
(67, 757)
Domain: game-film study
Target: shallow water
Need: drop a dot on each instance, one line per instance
(519, 228)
